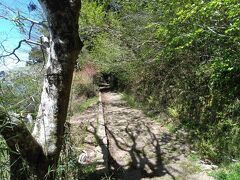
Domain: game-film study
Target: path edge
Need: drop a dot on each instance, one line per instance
(101, 133)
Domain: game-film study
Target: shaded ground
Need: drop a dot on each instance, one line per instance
(141, 148)
(91, 154)
(138, 148)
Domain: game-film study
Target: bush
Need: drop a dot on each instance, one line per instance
(231, 172)
(181, 57)
(87, 90)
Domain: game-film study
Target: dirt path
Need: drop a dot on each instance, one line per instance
(124, 144)
(140, 148)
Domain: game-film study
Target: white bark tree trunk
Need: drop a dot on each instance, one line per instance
(64, 46)
(41, 149)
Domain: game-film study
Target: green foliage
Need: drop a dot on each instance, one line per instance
(68, 167)
(106, 52)
(92, 14)
(131, 101)
(88, 103)
(230, 172)
(36, 56)
(179, 57)
(20, 91)
(87, 90)
(103, 44)
(193, 157)
(89, 169)
(4, 159)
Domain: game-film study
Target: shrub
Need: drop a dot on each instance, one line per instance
(87, 90)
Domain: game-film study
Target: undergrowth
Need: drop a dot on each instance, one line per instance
(231, 172)
(88, 103)
(4, 159)
(131, 101)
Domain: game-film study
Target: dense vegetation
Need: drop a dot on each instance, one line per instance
(178, 57)
(20, 94)
(20, 91)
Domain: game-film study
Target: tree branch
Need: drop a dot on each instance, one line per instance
(19, 46)
(18, 138)
(27, 41)
(210, 29)
(41, 23)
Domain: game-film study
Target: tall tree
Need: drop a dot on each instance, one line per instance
(41, 148)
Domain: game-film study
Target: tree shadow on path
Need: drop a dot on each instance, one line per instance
(140, 165)
(136, 168)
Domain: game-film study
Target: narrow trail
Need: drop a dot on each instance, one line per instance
(140, 148)
(133, 146)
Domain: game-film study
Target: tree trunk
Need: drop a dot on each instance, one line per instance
(41, 149)
(17, 170)
(63, 50)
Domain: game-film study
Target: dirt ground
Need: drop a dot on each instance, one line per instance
(138, 147)
(141, 148)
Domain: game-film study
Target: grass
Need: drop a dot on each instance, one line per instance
(4, 159)
(88, 103)
(193, 157)
(171, 127)
(159, 117)
(89, 169)
(80, 105)
(231, 172)
(68, 167)
(130, 100)
(190, 168)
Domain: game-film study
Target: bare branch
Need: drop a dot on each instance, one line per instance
(41, 23)
(19, 20)
(30, 31)
(3, 47)
(22, 18)
(210, 29)
(19, 46)
(33, 42)
(3, 17)
(8, 8)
